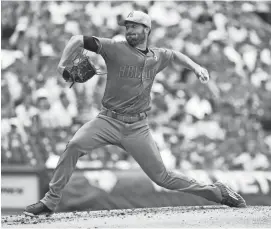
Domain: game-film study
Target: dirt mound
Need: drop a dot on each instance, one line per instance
(196, 216)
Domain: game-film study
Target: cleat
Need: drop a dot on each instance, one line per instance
(37, 209)
(230, 197)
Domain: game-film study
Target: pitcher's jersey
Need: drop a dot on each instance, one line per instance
(130, 74)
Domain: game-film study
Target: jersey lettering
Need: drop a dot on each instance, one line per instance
(137, 72)
(131, 71)
(149, 74)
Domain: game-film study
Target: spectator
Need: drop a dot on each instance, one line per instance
(231, 40)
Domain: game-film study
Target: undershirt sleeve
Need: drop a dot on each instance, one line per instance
(90, 44)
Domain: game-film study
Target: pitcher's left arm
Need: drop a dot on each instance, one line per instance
(200, 72)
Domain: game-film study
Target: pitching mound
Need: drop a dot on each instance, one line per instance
(168, 217)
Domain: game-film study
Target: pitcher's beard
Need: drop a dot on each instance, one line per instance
(134, 41)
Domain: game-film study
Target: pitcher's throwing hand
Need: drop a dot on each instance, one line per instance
(202, 74)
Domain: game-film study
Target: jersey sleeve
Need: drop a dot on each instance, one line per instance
(165, 58)
(106, 47)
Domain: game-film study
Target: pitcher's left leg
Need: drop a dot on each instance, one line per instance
(144, 150)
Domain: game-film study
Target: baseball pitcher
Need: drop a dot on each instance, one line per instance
(132, 66)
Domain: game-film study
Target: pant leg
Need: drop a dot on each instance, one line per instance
(99, 132)
(144, 150)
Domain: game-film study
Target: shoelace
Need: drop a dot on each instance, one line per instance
(33, 205)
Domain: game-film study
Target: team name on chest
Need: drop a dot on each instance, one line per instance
(129, 71)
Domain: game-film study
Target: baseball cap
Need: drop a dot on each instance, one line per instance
(138, 17)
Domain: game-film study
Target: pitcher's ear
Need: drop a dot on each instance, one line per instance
(147, 30)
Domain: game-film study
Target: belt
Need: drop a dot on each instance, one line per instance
(124, 117)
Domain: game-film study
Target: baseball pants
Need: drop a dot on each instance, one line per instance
(134, 138)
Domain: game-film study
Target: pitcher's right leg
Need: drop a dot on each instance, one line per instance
(96, 133)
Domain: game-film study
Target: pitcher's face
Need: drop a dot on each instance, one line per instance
(135, 33)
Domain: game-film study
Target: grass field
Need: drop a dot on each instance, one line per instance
(167, 217)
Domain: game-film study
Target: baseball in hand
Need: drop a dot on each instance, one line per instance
(203, 75)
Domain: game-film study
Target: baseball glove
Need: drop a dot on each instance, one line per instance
(81, 71)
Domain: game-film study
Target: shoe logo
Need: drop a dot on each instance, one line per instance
(232, 194)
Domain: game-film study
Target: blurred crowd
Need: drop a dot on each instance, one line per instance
(226, 125)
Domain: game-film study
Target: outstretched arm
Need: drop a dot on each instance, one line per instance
(184, 60)
(199, 71)
(69, 51)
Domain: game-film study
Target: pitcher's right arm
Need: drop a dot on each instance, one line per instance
(71, 49)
